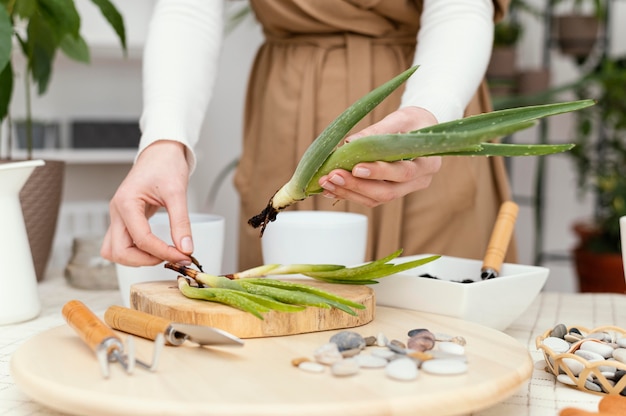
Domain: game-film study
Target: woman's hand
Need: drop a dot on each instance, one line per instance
(159, 178)
(375, 183)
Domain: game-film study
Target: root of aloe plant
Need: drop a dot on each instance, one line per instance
(251, 291)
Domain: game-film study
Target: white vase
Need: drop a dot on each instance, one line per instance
(19, 298)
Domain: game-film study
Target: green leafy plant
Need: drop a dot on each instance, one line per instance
(40, 28)
(251, 291)
(600, 154)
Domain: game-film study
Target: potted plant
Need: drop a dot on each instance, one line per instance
(576, 32)
(502, 71)
(38, 29)
(600, 160)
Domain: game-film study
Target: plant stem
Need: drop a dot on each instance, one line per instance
(29, 119)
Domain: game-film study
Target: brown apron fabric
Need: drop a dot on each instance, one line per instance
(318, 58)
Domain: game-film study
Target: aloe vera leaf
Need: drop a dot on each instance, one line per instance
(330, 137)
(282, 269)
(346, 281)
(509, 115)
(287, 296)
(440, 138)
(317, 152)
(306, 288)
(228, 297)
(355, 270)
(510, 150)
(378, 273)
(271, 303)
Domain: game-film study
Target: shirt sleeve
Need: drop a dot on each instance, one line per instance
(179, 69)
(453, 50)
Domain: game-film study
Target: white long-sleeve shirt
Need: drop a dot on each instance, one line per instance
(184, 43)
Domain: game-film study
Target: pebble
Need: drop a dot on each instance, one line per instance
(444, 367)
(451, 348)
(439, 354)
(403, 369)
(369, 341)
(311, 367)
(439, 336)
(347, 367)
(370, 361)
(589, 355)
(575, 366)
(347, 340)
(422, 341)
(557, 345)
(328, 354)
(385, 353)
(381, 340)
(620, 355)
(605, 350)
(559, 331)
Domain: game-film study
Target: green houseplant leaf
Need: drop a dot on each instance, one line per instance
(50, 25)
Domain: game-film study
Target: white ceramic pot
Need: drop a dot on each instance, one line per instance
(19, 299)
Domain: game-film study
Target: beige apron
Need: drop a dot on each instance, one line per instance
(318, 58)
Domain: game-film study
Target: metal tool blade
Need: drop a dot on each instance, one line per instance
(206, 335)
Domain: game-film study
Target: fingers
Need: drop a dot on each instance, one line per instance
(158, 179)
(372, 184)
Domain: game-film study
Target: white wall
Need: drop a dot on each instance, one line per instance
(111, 88)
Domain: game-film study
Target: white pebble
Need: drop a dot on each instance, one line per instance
(385, 353)
(346, 367)
(620, 355)
(621, 342)
(599, 348)
(370, 361)
(381, 340)
(328, 354)
(589, 355)
(311, 367)
(444, 367)
(565, 379)
(574, 365)
(557, 345)
(451, 348)
(403, 369)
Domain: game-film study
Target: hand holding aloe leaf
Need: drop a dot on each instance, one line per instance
(252, 292)
(464, 137)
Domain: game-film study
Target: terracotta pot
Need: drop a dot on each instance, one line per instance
(597, 272)
(576, 35)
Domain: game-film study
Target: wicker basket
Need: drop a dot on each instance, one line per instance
(556, 362)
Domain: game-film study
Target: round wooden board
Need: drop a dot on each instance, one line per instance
(165, 300)
(58, 370)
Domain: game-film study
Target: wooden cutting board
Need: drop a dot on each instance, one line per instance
(165, 300)
(57, 369)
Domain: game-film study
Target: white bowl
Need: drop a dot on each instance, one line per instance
(495, 303)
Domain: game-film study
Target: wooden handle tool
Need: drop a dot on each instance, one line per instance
(99, 337)
(499, 241)
(104, 341)
(150, 326)
(141, 324)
